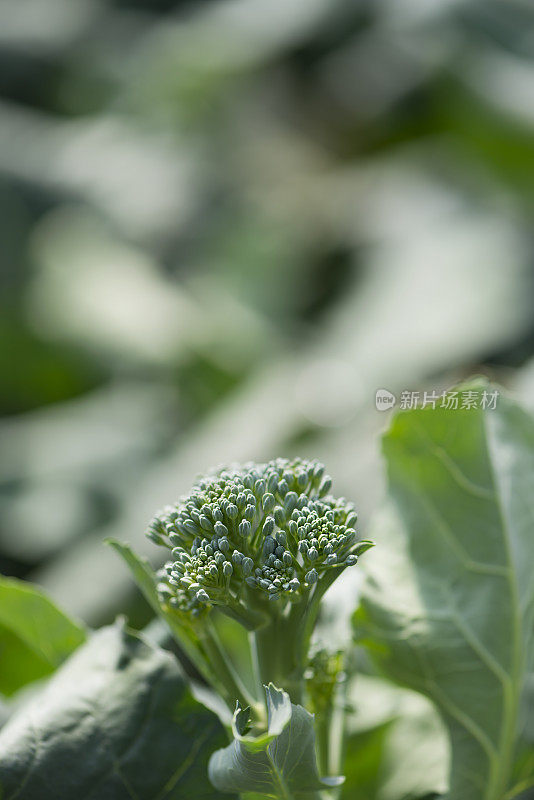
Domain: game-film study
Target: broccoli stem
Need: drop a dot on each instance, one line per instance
(274, 658)
(249, 618)
(330, 732)
(280, 649)
(323, 722)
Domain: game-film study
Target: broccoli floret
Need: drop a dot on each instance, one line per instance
(252, 533)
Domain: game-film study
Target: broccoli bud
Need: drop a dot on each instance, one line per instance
(249, 533)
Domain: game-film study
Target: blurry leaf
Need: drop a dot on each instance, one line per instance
(278, 763)
(204, 383)
(448, 609)
(396, 744)
(364, 755)
(131, 312)
(117, 721)
(44, 26)
(100, 440)
(135, 312)
(104, 160)
(35, 636)
(4, 714)
(416, 757)
(51, 372)
(66, 511)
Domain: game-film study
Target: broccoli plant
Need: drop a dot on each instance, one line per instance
(261, 544)
(445, 610)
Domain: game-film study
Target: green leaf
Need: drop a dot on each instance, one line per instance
(415, 758)
(146, 579)
(279, 762)
(448, 607)
(35, 636)
(198, 643)
(397, 747)
(116, 721)
(144, 575)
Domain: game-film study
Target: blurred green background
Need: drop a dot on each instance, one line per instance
(223, 227)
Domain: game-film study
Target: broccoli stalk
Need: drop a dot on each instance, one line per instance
(261, 543)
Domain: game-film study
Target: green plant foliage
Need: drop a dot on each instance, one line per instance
(147, 580)
(35, 636)
(396, 743)
(216, 223)
(117, 721)
(278, 763)
(186, 636)
(448, 610)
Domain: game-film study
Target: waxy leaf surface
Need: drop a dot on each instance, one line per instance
(448, 608)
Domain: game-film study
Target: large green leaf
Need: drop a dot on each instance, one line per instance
(35, 636)
(449, 606)
(278, 763)
(116, 721)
